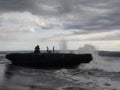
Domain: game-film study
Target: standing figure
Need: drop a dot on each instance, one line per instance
(37, 50)
(47, 49)
(53, 49)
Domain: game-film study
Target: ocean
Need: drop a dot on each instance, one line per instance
(103, 73)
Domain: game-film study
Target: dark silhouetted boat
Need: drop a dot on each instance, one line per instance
(48, 59)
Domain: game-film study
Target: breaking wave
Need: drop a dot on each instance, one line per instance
(109, 64)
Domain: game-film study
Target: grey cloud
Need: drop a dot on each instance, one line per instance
(89, 15)
(33, 6)
(107, 20)
(15, 5)
(61, 6)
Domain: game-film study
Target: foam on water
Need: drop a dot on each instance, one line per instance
(98, 62)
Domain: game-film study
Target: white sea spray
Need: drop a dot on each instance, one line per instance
(99, 62)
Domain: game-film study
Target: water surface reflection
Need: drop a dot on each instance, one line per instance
(22, 78)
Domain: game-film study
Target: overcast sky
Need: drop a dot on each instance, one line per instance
(25, 23)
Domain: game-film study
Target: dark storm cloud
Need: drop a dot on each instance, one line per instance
(89, 15)
(15, 5)
(33, 6)
(100, 14)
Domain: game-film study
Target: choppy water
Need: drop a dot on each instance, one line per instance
(103, 73)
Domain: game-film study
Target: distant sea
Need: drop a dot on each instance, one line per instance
(103, 73)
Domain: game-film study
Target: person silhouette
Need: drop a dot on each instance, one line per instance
(37, 50)
(53, 49)
(47, 49)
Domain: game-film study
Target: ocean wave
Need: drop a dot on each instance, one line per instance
(105, 63)
(101, 63)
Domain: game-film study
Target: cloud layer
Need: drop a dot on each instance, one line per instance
(78, 14)
(88, 16)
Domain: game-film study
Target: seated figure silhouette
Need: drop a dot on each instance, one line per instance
(37, 50)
